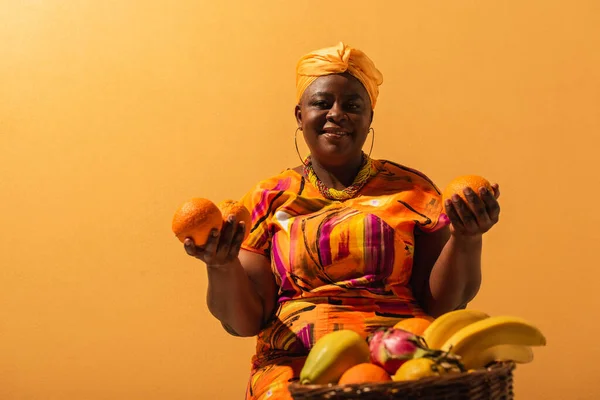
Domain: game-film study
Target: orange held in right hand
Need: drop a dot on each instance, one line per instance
(211, 233)
(195, 219)
(237, 209)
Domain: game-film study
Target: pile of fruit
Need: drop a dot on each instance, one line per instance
(456, 342)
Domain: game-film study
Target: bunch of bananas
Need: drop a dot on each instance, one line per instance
(479, 339)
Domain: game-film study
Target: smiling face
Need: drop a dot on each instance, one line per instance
(335, 114)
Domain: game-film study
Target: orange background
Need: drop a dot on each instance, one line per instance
(113, 112)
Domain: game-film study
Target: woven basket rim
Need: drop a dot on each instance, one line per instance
(498, 368)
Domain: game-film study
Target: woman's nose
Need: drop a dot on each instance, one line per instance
(336, 113)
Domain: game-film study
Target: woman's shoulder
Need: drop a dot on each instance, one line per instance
(269, 194)
(395, 173)
(288, 179)
(275, 188)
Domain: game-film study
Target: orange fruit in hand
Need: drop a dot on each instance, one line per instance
(196, 218)
(415, 325)
(364, 373)
(457, 185)
(237, 209)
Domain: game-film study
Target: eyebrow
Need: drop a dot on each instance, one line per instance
(352, 96)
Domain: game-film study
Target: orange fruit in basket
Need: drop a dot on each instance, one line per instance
(196, 218)
(415, 325)
(364, 373)
(457, 185)
(239, 211)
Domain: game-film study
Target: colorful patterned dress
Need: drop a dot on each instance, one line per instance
(338, 264)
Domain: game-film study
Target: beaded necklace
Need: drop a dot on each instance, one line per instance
(367, 170)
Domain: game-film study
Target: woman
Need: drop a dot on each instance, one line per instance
(343, 241)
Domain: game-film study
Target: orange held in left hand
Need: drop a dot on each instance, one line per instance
(471, 204)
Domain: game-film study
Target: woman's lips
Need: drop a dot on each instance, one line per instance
(335, 134)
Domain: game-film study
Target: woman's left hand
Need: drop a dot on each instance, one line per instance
(475, 216)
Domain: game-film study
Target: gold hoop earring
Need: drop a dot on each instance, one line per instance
(296, 143)
(372, 141)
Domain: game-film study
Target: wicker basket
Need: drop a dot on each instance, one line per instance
(493, 383)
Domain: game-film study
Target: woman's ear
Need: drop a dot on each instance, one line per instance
(298, 114)
(372, 114)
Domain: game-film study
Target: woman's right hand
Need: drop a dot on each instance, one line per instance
(222, 247)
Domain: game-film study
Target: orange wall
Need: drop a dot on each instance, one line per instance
(113, 112)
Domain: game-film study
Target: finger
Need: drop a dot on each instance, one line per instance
(491, 205)
(238, 239)
(192, 250)
(227, 234)
(189, 246)
(496, 188)
(210, 248)
(453, 216)
(464, 212)
(478, 208)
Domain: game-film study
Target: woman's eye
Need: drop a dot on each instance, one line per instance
(320, 104)
(353, 106)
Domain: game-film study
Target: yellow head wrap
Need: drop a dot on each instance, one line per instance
(336, 60)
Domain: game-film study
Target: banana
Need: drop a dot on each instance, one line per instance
(502, 352)
(443, 327)
(332, 355)
(472, 340)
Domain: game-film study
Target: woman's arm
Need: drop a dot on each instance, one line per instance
(242, 293)
(241, 286)
(446, 271)
(447, 263)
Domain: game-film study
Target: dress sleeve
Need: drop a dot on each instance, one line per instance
(259, 239)
(431, 205)
(421, 196)
(263, 202)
